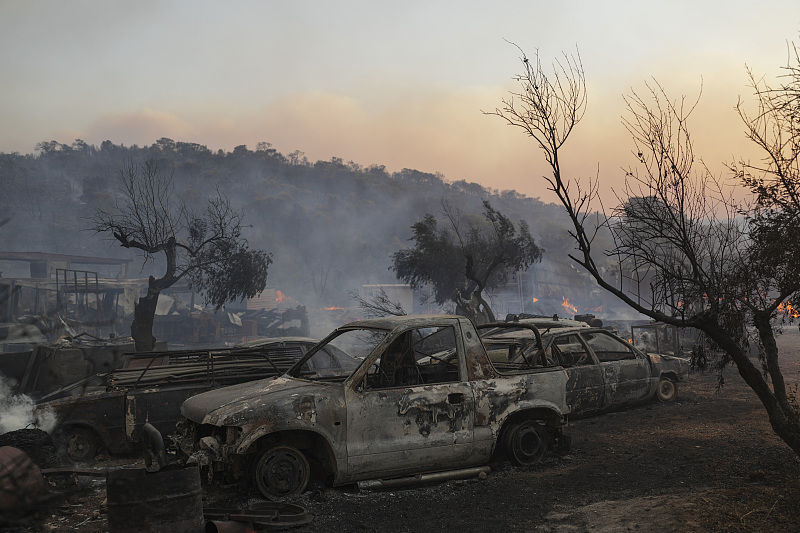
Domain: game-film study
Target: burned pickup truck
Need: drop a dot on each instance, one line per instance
(150, 387)
(387, 398)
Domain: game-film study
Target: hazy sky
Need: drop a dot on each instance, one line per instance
(395, 83)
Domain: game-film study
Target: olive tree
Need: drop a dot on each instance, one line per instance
(686, 254)
(205, 248)
(464, 256)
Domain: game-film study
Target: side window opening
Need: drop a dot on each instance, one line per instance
(517, 355)
(608, 348)
(570, 351)
(420, 356)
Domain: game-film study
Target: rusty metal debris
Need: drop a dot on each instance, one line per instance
(263, 515)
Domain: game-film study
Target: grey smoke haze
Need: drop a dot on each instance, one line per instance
(331, 226)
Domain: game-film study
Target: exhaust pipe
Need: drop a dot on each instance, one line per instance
(464, 473)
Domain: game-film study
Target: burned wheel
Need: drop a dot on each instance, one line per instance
(527, 442)
(81, 443)
(282, 472)
(667, 390)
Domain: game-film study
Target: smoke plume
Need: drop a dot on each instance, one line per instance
(18, 411)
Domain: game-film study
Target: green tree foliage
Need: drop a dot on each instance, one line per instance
(460, 259)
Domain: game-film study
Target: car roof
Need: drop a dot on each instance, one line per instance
(391, 322)
(265, 341)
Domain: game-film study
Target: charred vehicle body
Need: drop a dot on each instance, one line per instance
(603, 371)
(408, 395)
(150, 387)
(386, 398)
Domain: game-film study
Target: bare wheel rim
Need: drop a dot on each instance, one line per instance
(666, 390)
(81, 445)
(282, 471)
(527, 446)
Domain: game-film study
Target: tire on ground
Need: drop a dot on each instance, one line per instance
(526, 442)
(281, 472)
(667, 390)
(81, 443)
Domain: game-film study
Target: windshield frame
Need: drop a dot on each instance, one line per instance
(295, 370)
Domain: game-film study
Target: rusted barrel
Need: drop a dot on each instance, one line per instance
(169, 501)
(21, 482)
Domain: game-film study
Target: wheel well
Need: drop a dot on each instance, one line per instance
(552, 418)
(670, 375)
(313, 445)
(548, 416)
(64, 428)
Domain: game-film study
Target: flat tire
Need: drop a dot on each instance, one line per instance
(282, 472)
(527, 442)
(667, 390)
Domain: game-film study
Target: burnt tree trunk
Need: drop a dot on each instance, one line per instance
(784, 423)
(142, 327)
(145, 309)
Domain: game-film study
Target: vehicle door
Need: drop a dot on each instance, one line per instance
(626, 371)
(413, 410)
(585, 384)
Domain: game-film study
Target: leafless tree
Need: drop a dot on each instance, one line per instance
(207, 249)
(686, 254)
(378, 304)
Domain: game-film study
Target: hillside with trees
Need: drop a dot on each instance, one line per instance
(330, 226)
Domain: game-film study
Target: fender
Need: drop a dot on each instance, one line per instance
(544, 409)
(268, 427)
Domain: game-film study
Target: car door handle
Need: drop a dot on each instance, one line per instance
(455, 397)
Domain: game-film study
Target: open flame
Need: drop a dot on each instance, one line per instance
(568, 306)
(787, 308)
(279, 296)
(333, 308)
(535, 299)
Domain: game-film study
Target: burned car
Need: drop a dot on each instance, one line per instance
(150, 388)
(603, 371)
(377, 399)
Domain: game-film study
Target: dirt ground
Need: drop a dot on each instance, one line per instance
(708, 462)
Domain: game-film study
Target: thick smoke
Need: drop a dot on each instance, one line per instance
(332, 226)
(18, 411)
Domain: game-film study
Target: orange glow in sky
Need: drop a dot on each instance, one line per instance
(396, 84)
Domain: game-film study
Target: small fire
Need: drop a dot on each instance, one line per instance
(333, 308)
(535, 299)
(568, 306)
(788, 309)
(279, 296)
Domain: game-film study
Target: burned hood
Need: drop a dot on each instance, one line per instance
(237, 404)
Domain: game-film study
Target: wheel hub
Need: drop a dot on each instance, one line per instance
(282, 472)
(530, 444)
